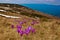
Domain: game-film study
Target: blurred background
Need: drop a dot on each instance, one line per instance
(51, 7)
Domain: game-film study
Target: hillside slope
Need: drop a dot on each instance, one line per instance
(46, 26)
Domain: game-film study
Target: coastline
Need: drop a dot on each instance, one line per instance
(27, 10)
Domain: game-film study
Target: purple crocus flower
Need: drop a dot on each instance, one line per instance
(33, 30)
(21, 32)
(12, 26)
(21, 22)
(32, 23)
(27, 31)
(18, 30)
(19, 27)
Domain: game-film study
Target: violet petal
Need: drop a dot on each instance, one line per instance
(29, 28)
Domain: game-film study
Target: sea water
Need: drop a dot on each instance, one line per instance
(45, 8)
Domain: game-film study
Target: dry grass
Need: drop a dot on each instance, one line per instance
(47, 29)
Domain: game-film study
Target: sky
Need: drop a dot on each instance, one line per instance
(55, 2)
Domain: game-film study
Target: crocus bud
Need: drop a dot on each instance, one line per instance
(32, 23)
(12, 26)
(33, 30)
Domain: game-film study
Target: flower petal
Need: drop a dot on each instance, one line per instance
(29, 27)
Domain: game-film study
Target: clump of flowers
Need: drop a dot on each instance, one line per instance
(27, 30)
